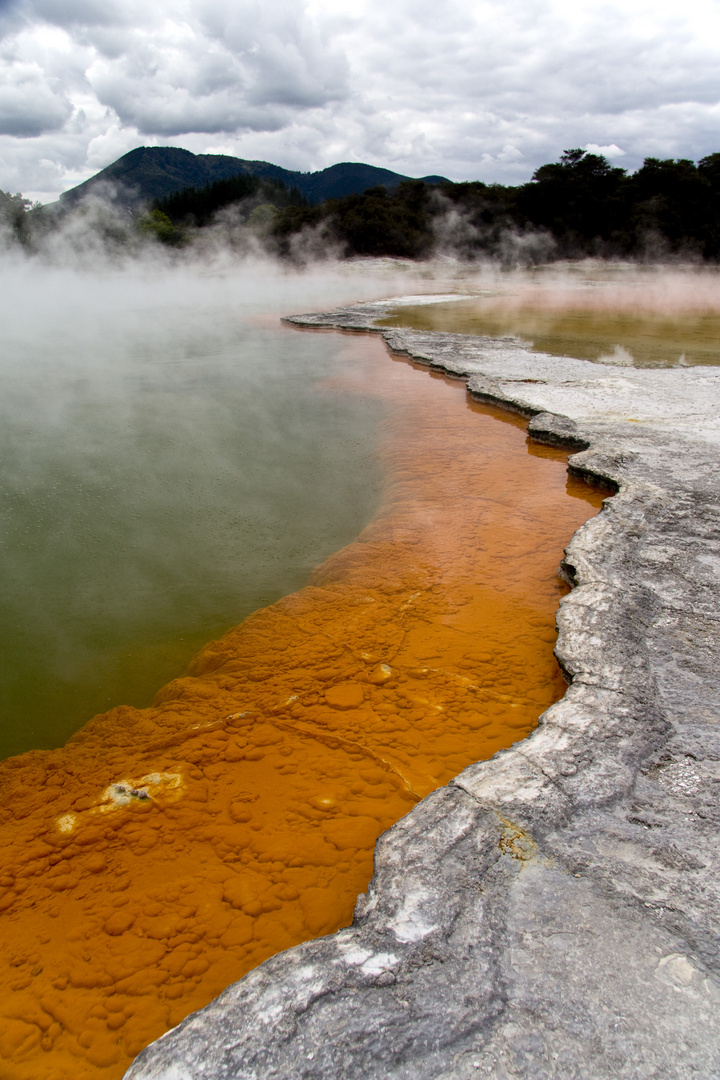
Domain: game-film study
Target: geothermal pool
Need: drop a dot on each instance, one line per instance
(616, 315)
(175, 460)
(166, 851)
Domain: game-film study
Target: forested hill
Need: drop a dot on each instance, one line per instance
(151, 173)
(580, 205)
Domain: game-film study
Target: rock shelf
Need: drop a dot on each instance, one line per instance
(552, 912)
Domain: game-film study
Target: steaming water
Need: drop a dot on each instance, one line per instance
(622, 315)
(169, 464)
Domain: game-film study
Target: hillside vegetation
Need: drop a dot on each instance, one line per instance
(151, 173)
(578, 206)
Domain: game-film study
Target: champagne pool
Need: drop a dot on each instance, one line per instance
(167, 849)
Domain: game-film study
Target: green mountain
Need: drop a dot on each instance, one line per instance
(154, 172)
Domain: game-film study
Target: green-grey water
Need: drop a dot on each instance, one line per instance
(644, 317)
(169, 464)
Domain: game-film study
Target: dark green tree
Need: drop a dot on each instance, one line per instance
(579, 199)
(378, 222)
(672, 202)
(199, 205)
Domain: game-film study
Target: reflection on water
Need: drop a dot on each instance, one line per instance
(645, 320)
(164, 852)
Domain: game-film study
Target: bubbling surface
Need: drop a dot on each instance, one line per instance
(164, 852)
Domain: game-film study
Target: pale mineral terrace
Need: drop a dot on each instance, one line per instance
(555, 911)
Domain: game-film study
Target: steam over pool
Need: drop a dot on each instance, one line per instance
(170, 462)
(173, 458)
(615, 314)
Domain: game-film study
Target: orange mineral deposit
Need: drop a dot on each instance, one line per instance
(164, 852)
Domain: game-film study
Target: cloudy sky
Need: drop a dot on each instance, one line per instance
(471, 89)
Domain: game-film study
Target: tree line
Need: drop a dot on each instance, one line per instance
(581, 204)
(578, 206)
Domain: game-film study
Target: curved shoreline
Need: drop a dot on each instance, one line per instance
(165, 852)
(553, 911)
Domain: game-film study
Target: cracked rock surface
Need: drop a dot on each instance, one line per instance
(552, 912)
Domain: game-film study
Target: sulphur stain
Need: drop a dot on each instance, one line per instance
(516, 842)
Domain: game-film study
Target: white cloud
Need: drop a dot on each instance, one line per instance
(30, 103)
(611, 152)
(485, 89)
(247, 68)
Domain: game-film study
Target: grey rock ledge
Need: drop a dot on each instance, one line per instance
(553, 912)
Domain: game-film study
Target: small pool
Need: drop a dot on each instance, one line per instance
(625, 316)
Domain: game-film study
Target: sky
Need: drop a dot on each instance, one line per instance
(468, 89)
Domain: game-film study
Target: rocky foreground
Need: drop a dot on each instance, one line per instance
(552, 912)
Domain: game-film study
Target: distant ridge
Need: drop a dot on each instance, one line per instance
(152, 172)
